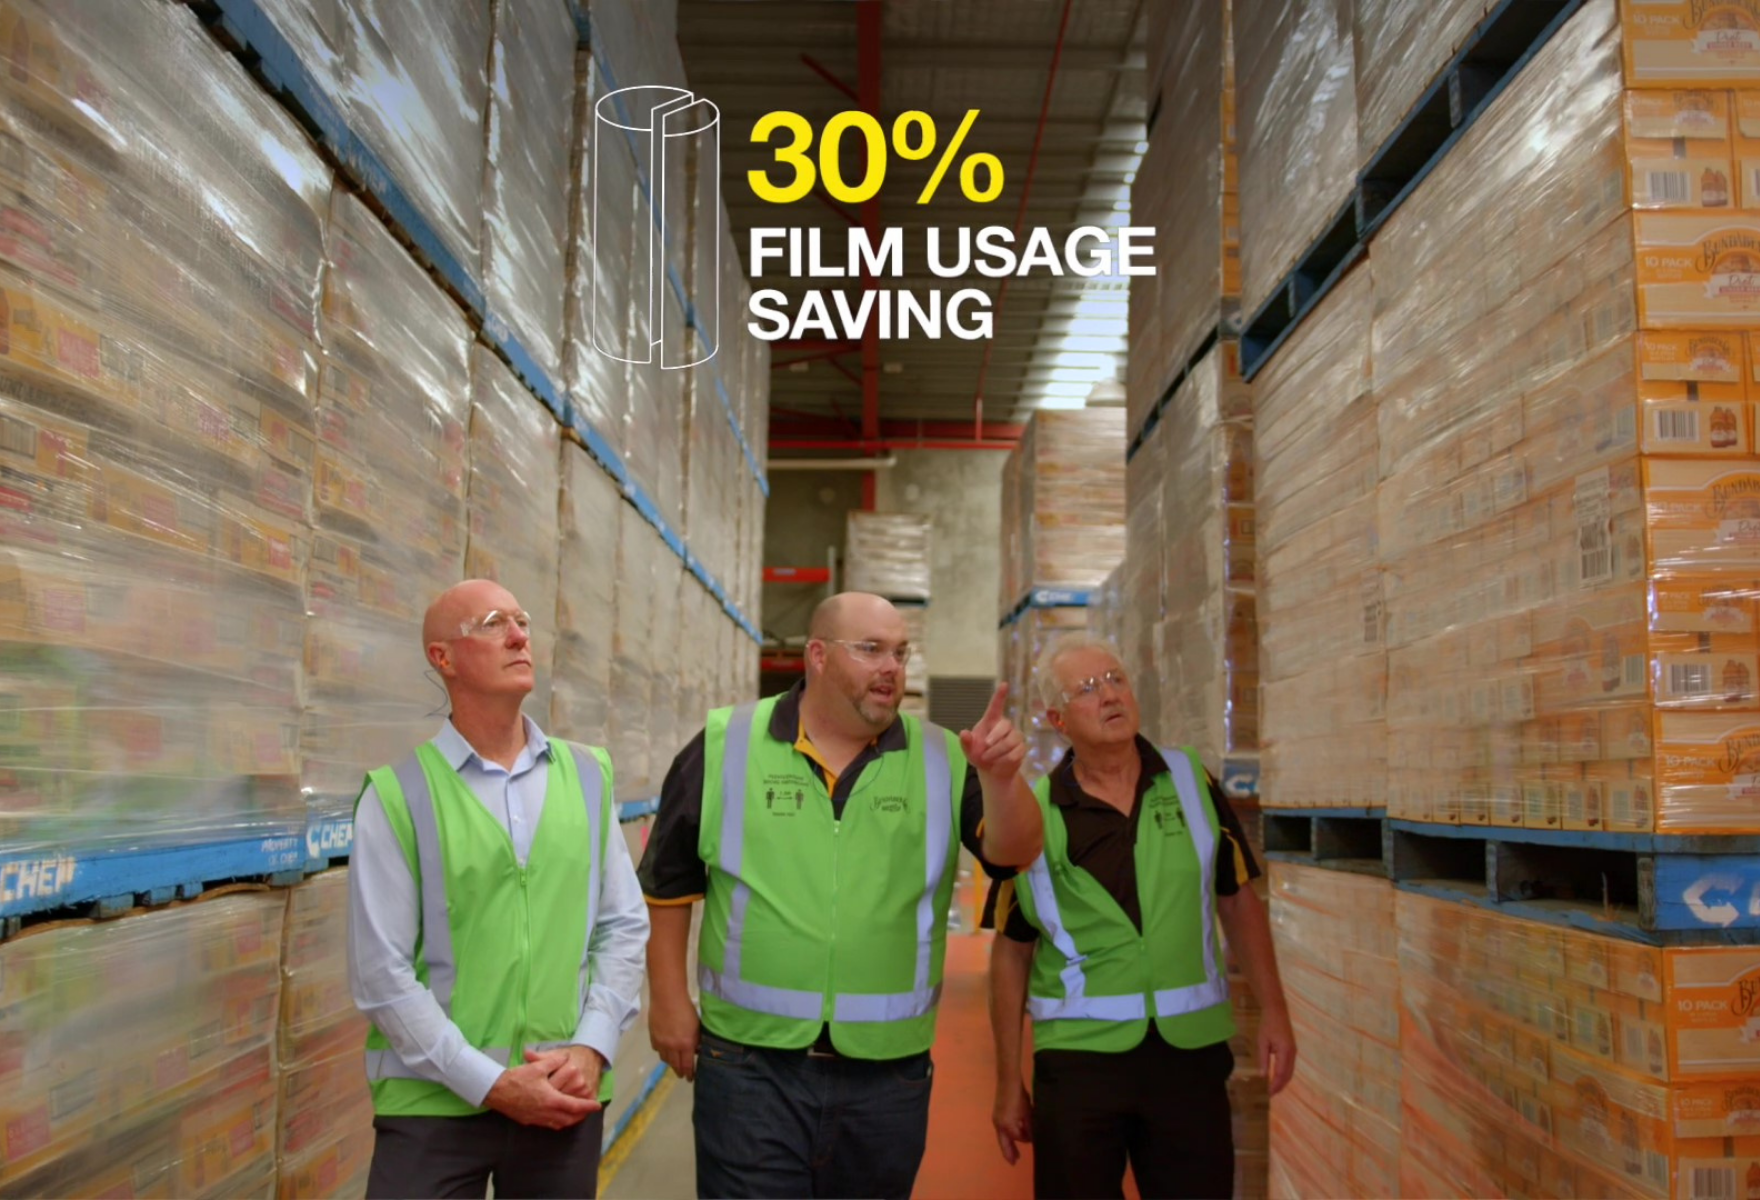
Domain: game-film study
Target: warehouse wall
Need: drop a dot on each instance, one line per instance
(805, 515)
(963, 493)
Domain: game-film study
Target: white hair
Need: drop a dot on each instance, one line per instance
(1045, 675)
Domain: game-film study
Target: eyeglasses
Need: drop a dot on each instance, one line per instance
(496, 623)
(873, 653)
(1091, 686)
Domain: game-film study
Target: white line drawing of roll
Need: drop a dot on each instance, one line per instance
(676, 137)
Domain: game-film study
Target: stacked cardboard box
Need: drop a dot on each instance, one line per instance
(1335, 1131)
(1570, 587)
(1323, 729)
(513, 503)
(388, 504)
(325, 1112)
(158, 301)
(1398, 48)
(888, 554)
(525, 211)
(1063, 513)
(1294, 61)
(1204, 649)
(1541, 1060)
(140, 1053)
(432, 141)
(581, 698)
(1188, 180)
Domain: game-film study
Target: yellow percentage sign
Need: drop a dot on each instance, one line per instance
(806, 174)
(968, 167)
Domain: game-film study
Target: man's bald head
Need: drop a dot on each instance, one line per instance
(850, 614)
(460, 603)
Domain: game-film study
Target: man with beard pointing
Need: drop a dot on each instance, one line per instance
(822, 830)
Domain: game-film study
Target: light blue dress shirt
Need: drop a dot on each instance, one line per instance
(384, 923)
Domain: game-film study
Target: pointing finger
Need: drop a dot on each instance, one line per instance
(997, 700)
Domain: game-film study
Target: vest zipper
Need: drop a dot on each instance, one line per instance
(516, 1052)
(831, 966)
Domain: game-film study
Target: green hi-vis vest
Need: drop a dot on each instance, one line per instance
(1096, 980)
(501, 945)
(810, 919)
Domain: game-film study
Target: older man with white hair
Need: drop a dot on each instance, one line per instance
(1108, 941)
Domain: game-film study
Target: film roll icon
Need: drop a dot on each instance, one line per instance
(676, 139)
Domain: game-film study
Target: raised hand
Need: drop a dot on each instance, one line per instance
(995, 748)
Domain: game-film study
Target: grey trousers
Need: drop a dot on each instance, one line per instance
(456, 1157)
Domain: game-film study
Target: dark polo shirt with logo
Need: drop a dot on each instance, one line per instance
(672, 870)
(1103, 841)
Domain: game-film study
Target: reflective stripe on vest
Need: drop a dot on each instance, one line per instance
(436, 931)
(792, 1002)
(1075, 1003)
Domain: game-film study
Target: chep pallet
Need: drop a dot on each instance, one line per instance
(1045, 597)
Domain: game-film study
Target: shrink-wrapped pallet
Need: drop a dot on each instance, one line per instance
(525, 212)
(581, 698)
(1188, 180)
(1542, 1059)
(888, 554)
(324, 1112)
(1207, 660)
(434, 59)
(1063, 516)
(140, 1053)
(388, 505)
(1335, 1131)
(1297, 106)
(158, 300)
(1322, 724)
(1399, 47)
(513, 504)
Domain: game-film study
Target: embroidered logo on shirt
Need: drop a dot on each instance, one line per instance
(891, 804)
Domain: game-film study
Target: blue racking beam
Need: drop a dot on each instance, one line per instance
(257, 36)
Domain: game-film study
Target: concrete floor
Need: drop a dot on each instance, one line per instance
(655, 1159)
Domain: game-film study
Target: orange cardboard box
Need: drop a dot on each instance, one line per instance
(1701, 420)
(1692, 356)
(1702, 515)
(1698, 269)
(1695, 43)
(1708, 771)
(1678, 148)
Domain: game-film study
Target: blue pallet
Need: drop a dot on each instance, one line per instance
(251, 29)
(1046, 598)
(1670, 889)
(1649, 843)
(329, 842)
(112, 881)
(246, 23)
(1240, 779)
(1587, 920)
(1504, 42)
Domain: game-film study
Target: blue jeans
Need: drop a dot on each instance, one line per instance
(778, 1123)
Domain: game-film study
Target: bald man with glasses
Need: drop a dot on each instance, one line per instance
(821, 829)
(496, 931)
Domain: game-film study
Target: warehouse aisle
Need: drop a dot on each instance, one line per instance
(654, 1160)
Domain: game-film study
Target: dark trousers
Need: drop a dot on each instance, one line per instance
(1162, 1109)
(778, 1123)
(456, 1157)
